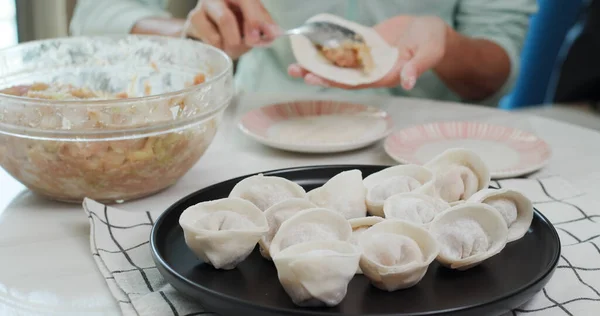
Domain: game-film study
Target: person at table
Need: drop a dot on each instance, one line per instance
(453, 50)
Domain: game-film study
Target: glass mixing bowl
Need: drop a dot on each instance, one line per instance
(110, 118)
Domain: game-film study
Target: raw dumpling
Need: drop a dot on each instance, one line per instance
(397, 179)
(344, 193)
(266, 191)
(310, 225)
(417, 208)
(276, 215)
(455, 203)
(359, 225)
(468, 234)
(317, 273)
(382, 54)
(459, 174)
(515, 208)
(223, 232)
(396, 254)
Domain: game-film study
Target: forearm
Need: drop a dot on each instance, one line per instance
(473, 68)
(159, 26)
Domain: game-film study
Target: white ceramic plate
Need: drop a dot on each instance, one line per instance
(317, 126)
(508, 152)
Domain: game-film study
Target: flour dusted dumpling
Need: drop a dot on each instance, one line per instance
(317, 273)
(310, 225)
(344, 193)
(397, 179)
(468, 234)
(459, 174)
(515, 208)
(360, 225)
(223, 232)
(266, 191)
(396, 254)
(416, 208)
(276, 215)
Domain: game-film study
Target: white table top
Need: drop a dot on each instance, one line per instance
(46, 267)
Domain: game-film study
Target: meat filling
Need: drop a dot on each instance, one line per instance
(349, 54)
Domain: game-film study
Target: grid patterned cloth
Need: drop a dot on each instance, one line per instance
(119, 244)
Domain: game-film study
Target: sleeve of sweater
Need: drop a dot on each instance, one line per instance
(103, 17)
(503, 22)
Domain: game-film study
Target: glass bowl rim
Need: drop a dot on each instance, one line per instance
(125, 101)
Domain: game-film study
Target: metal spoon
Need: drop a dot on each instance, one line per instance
(325, 34)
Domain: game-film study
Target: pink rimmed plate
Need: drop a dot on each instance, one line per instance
(508, 152)
(317, 126)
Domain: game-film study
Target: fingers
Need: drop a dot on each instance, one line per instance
(201, 28)
(391, 79)
(421, 46)
(408, 76)
(296, 71)
(425, 58)
(426, 52)
(314, 80)
(216, 23)
(232, 25)
(259, 27)
(221, 16)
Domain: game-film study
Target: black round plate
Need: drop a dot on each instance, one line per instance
(501, 283)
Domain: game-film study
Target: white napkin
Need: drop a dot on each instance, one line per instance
(119, 243)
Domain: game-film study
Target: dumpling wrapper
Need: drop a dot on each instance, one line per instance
(344, 193)
(223, 232)
(396, 179)
(468, 234)
(515, 208)
(315, 224)
(276, 215)
(395, 254)
(359, 226)
(266, 191)
(317, 273)
(459, 174)
(417, 208)
(308, 56)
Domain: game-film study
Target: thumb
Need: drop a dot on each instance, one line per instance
(425, 58)
(258, 24)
